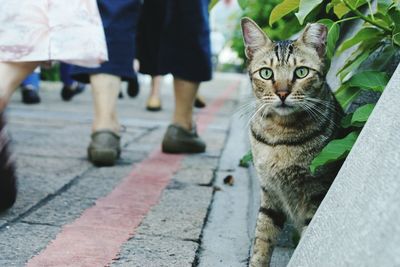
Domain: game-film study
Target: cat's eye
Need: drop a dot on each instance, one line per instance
(301, 72)
(266, 73)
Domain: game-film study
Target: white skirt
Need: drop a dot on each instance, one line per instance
(44, 30)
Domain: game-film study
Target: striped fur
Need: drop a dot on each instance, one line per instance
(295, 118)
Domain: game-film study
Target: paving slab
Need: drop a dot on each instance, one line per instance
(173, 217)
(20, 241)
(156, 251)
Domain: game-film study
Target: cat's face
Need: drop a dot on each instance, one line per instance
(286, 75)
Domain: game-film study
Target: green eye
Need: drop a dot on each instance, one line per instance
(301, 72)
(266, 73)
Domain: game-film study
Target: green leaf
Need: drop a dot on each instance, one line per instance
(333, 36)
(364, 34)
(358, 117)
(212, 4)
(345, 95)
(334, 150)
(340, 9)
(246, 159)
(329, 6)
(354, 62)
(370, 80)
(283, 9)
(346, 121)
(243, 3)
(394, 14)
(361, 114)
(384, 58)
(305, 7)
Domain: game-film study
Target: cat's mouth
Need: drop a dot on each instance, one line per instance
(284, 109)
(283, 105)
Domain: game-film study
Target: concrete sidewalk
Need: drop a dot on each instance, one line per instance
(151, 209)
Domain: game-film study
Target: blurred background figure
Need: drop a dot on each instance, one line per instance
(70, 87)
(153, 102)
(31, 85)
(224, 19)
(30, 88)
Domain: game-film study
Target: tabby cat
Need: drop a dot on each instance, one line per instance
(296, 115)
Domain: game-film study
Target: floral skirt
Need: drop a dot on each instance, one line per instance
(45, 30)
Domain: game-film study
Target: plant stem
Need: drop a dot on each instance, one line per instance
(362, 16)
(343, 20)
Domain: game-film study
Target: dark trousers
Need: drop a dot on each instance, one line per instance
(120, 18)
(174, 37)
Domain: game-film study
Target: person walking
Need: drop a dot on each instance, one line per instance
(39, 32)
(31, 85)
(175, 38)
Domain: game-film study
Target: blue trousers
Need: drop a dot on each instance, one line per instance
(33, 79)
(119, 19)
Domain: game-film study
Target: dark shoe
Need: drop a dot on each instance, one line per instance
(68, 92)
(179, 140)
(133, 87)
(120, 95)
(104, 149)
(199, 102)
(153, 104)
(29, 95)
(8, 179)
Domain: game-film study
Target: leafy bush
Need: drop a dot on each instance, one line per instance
(375, 45)
(259, 11)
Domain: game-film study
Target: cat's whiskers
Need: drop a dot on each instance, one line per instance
(321, 112)
(325, 103)
(261, 107)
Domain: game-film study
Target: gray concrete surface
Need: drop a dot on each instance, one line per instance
(229, 231)
(357, 223)
(57, 183)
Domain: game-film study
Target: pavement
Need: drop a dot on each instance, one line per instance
(150, 209)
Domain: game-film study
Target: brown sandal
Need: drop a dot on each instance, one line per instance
(8, 179)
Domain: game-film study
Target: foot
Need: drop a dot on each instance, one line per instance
(8, 179)
(153, 103)
(104, 149)
(133, 87)
(179, 140)
(68, 92)
(199, 102)
(30, 95)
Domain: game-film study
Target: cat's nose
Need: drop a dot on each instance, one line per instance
(283, 94)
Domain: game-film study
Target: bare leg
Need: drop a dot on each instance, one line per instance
(11, 76)
(105, 90)
(156, 82)
(154, 100)
(181, 136)
(185, 94)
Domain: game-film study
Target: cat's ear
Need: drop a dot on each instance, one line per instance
(254, 38)
(314, 35)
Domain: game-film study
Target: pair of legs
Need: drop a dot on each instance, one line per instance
(154, 99)
(105, 88)
(30, 86)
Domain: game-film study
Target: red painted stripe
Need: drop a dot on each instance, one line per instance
(95, 238)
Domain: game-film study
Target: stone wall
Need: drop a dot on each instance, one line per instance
(357, 223)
